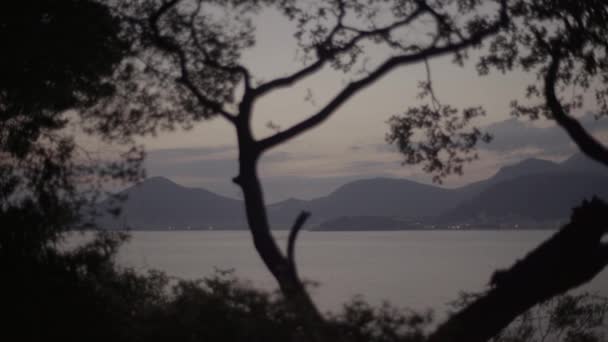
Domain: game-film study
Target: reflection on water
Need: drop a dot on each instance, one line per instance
(416, 269)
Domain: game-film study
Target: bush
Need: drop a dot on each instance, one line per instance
(82, 294)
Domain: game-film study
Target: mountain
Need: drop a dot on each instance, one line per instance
(532, 190)
(377, 197)
(404, 199)
(158, 203)
(526, 167)
(580, 162)
(538, 197)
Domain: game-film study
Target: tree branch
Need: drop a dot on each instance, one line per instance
(170, 46)
(571, 257)
(208, 60)
(293, 235)
(387, 66)
(585, 141)
(326, 52)
(282, 268)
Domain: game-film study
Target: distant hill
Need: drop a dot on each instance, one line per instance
(533, 190)
(386, 197)
(580, 162)
(158, 203)
(526, 167)
(405, 199)
(538, 197)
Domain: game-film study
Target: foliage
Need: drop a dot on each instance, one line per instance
(564, 43)
(183, 67)
(574, 29)
(58, 57)
(82, 294)
(567, 318)
(446, 145)
(192, 53)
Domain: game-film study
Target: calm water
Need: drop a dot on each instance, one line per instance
(415, 269)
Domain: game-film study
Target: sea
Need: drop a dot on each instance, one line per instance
(419, 270)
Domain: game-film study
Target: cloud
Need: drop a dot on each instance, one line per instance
(213, 168)
(191, 154)
(514, 134)
(312, 173)
(200, 166)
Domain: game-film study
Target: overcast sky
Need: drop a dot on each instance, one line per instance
(350, 145)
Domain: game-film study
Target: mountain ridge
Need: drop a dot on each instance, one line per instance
(159, 203)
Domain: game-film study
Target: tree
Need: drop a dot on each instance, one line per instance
(197, 62)
(58, 56)
(565, 43)
(571, 257)
(191, 59)
(54, 60)
(566, 317)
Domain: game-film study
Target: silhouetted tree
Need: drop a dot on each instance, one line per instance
(571, 257)
(566, 44)
(192, 59)
(57, 56)
(185, 68)
(568, 318)
(196, 63)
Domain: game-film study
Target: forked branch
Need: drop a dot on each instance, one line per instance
(354, 87)
(168, 45)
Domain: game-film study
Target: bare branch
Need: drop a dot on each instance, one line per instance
(392, 63)
(170, 46)
(211, 62)
(441, 19)
(293, 234)
(325, 52)
(288, 80)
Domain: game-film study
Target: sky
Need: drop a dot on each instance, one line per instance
(351, 144)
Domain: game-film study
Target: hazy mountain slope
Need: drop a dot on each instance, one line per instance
(384, 197)
(285, 212)
(158, 203)
(526, 167)
(398, 198)
(533, 188)
(543, 196)
(580, 162)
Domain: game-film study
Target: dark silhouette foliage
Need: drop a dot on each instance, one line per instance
(58, 56)
(568, 318)
(197, 59)
(140, 67)
(571, 257)
(565, 44)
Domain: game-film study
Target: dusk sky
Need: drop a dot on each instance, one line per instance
(351, 145)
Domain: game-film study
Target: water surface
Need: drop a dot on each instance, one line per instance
(415, 269)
